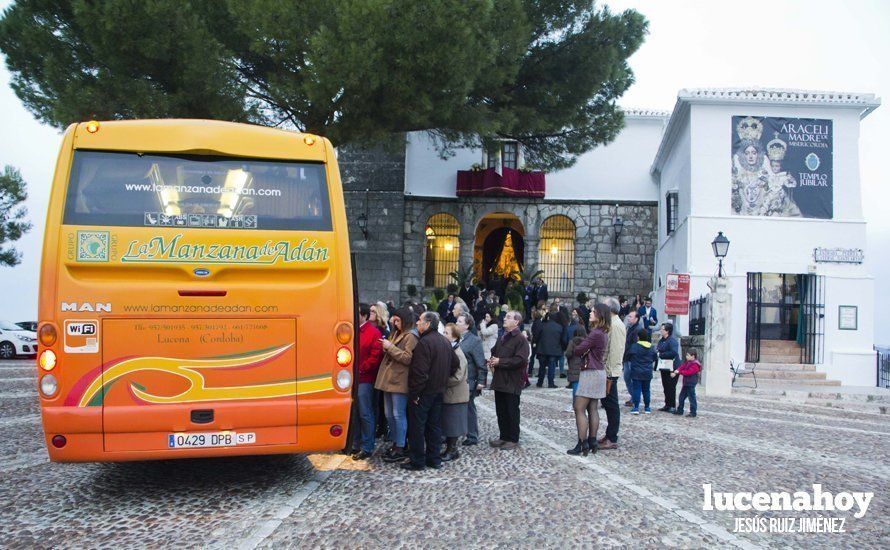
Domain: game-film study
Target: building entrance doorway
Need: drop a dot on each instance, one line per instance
(785, 307)
(499, 252)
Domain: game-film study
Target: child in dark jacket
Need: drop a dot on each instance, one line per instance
(642, 358)
(690, 370)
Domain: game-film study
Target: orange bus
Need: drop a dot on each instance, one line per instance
(196, 294)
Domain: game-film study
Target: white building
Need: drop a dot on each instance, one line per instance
(783, 288)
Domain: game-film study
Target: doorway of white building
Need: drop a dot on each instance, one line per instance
(785, 318)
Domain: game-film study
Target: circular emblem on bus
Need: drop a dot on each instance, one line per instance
(201, 272)
(812, 161)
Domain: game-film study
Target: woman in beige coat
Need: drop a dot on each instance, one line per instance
(392, 380)
(455, 400)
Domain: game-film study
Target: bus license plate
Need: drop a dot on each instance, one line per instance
(209, 439)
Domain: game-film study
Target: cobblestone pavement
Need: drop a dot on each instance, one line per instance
(647, 493)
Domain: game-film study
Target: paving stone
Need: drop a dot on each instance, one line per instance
(647, 493)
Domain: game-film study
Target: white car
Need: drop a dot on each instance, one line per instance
(16, 341)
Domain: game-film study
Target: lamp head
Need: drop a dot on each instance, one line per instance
(720, 244)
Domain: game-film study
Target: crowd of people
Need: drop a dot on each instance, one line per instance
(420, 371)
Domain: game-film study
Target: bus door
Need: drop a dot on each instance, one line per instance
(197, 382)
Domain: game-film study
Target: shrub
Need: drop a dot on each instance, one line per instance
(438, 295)
(514, 300)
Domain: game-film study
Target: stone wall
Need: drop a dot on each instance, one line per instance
(602, 268)
(373, 183)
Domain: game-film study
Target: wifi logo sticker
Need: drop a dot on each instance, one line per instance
(82, 336)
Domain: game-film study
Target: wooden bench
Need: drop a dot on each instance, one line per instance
(742, 369)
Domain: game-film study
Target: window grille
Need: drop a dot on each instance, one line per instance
(442, 249)
(671, 202)
(557, 253)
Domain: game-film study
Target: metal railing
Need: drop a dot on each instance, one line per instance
(697, 313)
(883, 367)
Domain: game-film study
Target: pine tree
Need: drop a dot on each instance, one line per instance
(546, 73)
(12, 214)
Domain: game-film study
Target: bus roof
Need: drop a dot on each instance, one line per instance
(200, 137)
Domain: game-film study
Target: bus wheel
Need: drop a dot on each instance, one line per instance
(7, 350)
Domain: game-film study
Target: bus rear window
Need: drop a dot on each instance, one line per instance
(129, 189)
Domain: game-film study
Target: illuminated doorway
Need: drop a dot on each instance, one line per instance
(499, 251)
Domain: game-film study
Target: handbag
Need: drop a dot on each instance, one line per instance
(584, 358)
(665, 364)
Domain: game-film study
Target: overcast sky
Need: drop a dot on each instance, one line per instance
(817, 45)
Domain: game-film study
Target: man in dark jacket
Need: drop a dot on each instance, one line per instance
(530, 300)
(549, 347)
(669, 348)
(632, 322)
(648, 315)
(584, 313)
(432, 362)
(477, 371)
(509, 358)
(542, 291)
(446, 309)
(468, 293)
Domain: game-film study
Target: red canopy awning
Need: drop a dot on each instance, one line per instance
(488, 183)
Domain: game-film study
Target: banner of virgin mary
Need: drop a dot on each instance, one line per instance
(782, 167)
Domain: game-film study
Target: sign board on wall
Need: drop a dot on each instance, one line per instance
(839, 255)
(676, 297)
(782, 167)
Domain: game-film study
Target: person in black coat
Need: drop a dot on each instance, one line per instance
(542, 291)
(446, 309)
(648, 315)
(584, 313)
(480, 308)
(633, 326)
(530, 299)
(669, 348)
(432, 362)
(625, 307)
(549, 342)
(468, 293)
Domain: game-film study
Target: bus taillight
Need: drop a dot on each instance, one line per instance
(47, 335)
(59, 441)
(47, 360)
(336, 430)
(344, 357)
(49, 385)
(344, 379)
(344, 333)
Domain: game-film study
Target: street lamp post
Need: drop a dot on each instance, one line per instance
(720, 244)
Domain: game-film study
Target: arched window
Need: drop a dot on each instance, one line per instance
(556, 255)
(442, 248)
